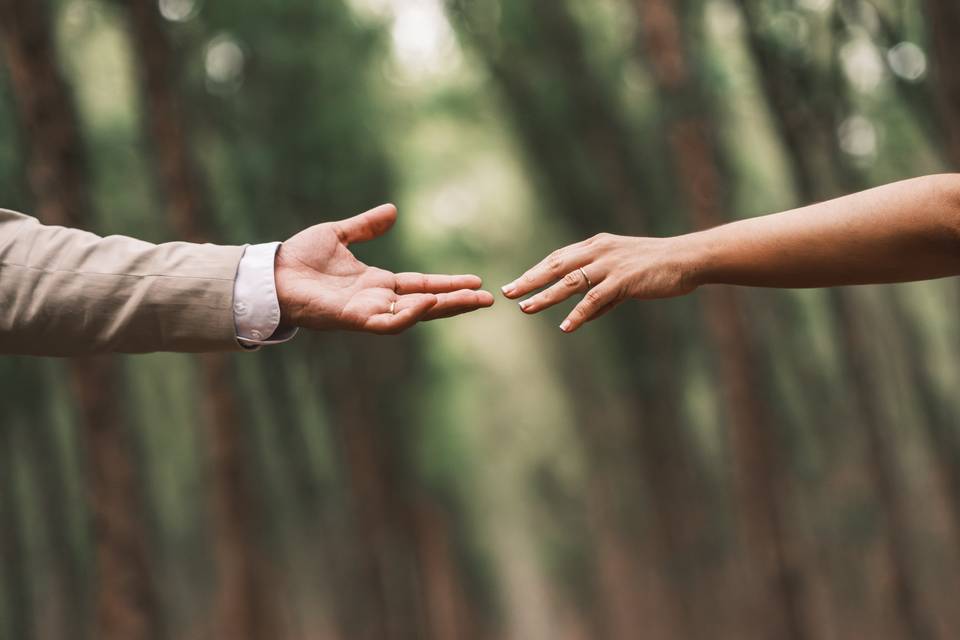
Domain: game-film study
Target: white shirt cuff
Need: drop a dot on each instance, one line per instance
(256, 309)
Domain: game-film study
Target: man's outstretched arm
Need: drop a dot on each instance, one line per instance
(66, 292)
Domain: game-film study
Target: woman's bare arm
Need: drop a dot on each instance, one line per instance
(904, 231)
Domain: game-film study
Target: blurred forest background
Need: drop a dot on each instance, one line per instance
(737, 464)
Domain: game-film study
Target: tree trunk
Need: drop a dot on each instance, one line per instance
(244, 608)
(700, 180)
(448, 611)
(15, 582)
(943, 20)
(882, 465)
(126, 603)
(66, 610)
(806, 124)
(406, 579)
(382, 593)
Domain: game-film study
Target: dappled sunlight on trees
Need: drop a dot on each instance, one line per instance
(738, 464)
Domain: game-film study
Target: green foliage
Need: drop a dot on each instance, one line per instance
(488, 472)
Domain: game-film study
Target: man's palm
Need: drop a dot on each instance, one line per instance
(321, 285)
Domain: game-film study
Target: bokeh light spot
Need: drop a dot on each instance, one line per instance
(816, 6)
(907, 61)
(224, 63)
(862, 64)
(423, 40)
(858, 137)
(178, 10)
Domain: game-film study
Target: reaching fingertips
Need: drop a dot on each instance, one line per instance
(533, 279)
(550, 269)
(595, 300)
(569, 285)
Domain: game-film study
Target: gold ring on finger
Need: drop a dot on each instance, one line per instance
(393, 307)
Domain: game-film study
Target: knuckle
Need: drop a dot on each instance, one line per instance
(594, 297)
(571, 279)
(554, 261)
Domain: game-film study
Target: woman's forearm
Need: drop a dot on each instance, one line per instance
(903, 231)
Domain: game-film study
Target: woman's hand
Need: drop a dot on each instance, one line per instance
(899, 232)
(608, 269)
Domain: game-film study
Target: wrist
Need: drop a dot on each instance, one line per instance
(694, 253)
(280, 273)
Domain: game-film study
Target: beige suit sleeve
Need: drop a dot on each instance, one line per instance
(65, 292)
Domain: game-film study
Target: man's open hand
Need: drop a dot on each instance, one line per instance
(321, 285)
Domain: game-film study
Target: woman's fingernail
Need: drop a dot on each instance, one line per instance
(524, 305)
(565, 326)
(508, 288)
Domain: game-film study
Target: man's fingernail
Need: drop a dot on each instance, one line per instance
(565, 326)
(508, 288)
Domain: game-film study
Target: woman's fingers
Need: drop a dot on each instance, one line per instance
(574, 282)
(457, 302)
(596, 301)
(403, 313)
(434, 283)
(550, 269)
